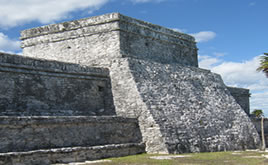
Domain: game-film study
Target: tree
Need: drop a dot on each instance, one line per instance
(259, 114)
(264, 64)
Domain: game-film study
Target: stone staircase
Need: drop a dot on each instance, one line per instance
(47, 140)
(70, 154)
(42, 120)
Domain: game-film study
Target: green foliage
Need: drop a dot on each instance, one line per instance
(258, 113)
(263, 64)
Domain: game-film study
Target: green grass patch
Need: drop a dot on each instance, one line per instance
(212, 158)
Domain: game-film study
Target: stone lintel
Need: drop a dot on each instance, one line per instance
(68, 26)
(10, 61)
(239, 91)
(20, 121)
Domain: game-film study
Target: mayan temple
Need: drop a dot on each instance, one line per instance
(110, 86)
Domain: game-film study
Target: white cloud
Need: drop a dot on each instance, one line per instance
(8, 45)
(259, 101)
(241, 74)
(15, 12)
(208, 62)
(204, 36)
(179, 30)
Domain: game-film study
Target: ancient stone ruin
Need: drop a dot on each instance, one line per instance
(112, 86)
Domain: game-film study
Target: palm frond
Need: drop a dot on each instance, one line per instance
(263, 63)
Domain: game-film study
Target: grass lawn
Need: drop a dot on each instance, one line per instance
(215, 158)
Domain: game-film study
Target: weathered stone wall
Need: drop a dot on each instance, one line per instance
(181, 109)
(95, 41)
(33, 133)
(141, 40)
(241, 96)
(257, 124)
(30, 87)
(193, 108)
(155, 78)
(69, 155)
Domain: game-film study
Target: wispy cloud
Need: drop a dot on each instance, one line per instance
(16, 12)
(204, 36)
(208, 62)
(241, 74)
(8, 45)
(219, 54)
(179, 30)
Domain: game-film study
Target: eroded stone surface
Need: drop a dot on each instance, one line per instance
(241, 96)
(191, 108)
(31, 87)
(257, 124)
(97, 40)
(154, 77)
(32, 133)
(71, 154)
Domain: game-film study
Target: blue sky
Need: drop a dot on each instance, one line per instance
(231, 34)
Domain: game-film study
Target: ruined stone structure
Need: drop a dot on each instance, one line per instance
(32, 87)
(241, 96)
(145, 71)
(257, 123)
(53, 112)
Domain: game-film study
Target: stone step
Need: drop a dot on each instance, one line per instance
(70, 154)
(20, 134)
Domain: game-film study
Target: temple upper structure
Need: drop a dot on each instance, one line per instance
(106, 37)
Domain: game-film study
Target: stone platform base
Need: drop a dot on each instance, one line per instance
(42, 140)
(70, 154)
(20, 134)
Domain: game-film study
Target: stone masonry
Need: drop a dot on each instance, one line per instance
(154, 78)
(20, 134)
(55, 112)
(48, 88)
(241, 96)
(257, 123)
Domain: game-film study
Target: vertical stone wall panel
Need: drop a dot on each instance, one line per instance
(241, 96)
(28, 89)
